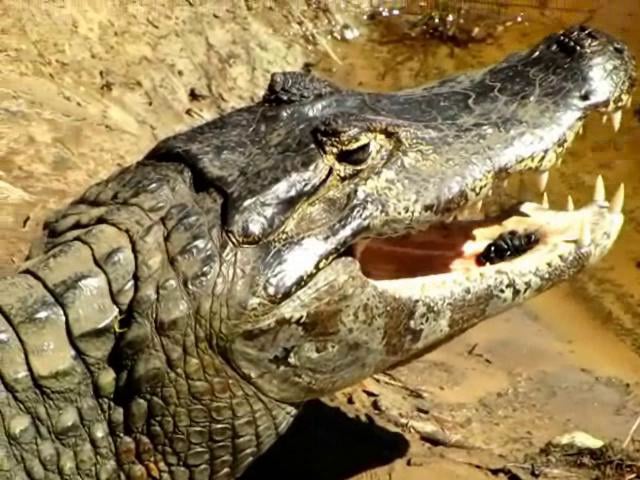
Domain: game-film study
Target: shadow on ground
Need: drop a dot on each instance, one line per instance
(324, 443)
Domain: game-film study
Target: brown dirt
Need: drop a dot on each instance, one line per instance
(88, 87)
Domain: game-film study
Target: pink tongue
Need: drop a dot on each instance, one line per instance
(419, 254)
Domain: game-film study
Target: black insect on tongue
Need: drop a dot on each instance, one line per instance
(507, 245)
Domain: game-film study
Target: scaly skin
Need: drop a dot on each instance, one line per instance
(182, 310)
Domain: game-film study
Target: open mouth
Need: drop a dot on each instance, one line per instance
(529, 231)
(502, 229)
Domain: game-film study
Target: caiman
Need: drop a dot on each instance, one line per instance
(177, 315)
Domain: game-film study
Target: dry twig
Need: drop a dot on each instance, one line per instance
(631, 432)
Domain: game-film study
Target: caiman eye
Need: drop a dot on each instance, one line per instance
(355, 156)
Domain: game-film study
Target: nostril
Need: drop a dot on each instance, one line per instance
(592, 35)
(585, 96)
(618, 48)
(588, 32)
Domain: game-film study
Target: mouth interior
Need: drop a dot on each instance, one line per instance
(516, 233)
(458, 245)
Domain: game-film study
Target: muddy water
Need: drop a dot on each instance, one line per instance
(598, 313)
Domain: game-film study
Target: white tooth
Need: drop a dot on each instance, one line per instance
(570, 206)
(585, 234)
(604, 119)
(618, 200)
(542, 180)
(598, 191)
(616, 119)
(478, 206)
(628, 101)
(545, 200)
(580, 129)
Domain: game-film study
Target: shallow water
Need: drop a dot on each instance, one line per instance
(599, 311)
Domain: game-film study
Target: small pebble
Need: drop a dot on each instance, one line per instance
(578, 439)
(347, 32)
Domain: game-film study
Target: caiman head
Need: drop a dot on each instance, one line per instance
(355, 220)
